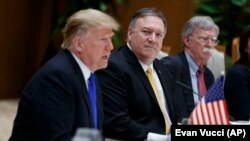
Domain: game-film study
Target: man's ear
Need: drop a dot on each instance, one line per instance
(186, 42)
(130, 31)
(77, 43)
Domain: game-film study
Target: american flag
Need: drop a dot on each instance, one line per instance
(212, 109)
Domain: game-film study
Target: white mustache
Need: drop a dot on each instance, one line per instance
(207, 50)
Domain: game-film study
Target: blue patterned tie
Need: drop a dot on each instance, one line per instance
(92, 98)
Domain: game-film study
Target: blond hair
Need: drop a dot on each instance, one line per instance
(80, 21)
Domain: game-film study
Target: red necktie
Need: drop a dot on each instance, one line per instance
(201, 82)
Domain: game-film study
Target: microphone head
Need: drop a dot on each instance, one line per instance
(186, 87)
(185, 121)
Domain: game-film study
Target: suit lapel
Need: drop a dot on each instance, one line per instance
(166, 85)
(186, 79)
(81, 85)
(138, 70)
(209, 77)
(161, 77)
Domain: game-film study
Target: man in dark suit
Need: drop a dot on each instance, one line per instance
(131, 107)
(199, 38)
(56, 100)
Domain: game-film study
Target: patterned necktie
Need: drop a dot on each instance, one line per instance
(201, 82)
(92, 98)
(154, 86)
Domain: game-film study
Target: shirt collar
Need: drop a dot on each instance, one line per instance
(192, 65)
(84, 68)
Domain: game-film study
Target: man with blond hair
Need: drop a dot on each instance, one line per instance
(58, 99)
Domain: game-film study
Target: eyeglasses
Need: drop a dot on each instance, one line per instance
(207, 39)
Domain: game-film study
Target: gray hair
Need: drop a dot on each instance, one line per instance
(147, 12)
(80, 21)
(204, 22)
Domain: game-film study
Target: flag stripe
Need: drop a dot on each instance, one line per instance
(216, 111)
(200, 117)
(211, 113)
(208, 115)
(204, 113)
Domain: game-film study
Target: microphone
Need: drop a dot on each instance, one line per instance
(186, 87)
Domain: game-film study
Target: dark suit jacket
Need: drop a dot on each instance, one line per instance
(237, 92)
(179, 69)
(55, 103)
(130, 106)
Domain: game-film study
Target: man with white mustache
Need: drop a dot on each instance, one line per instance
(199, 37)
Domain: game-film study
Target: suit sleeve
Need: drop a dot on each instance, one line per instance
(115, 88)
(168, 62)
(237, 93)
(54, 107)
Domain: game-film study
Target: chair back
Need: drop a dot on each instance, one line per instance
(235, 49)
(217, 62)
